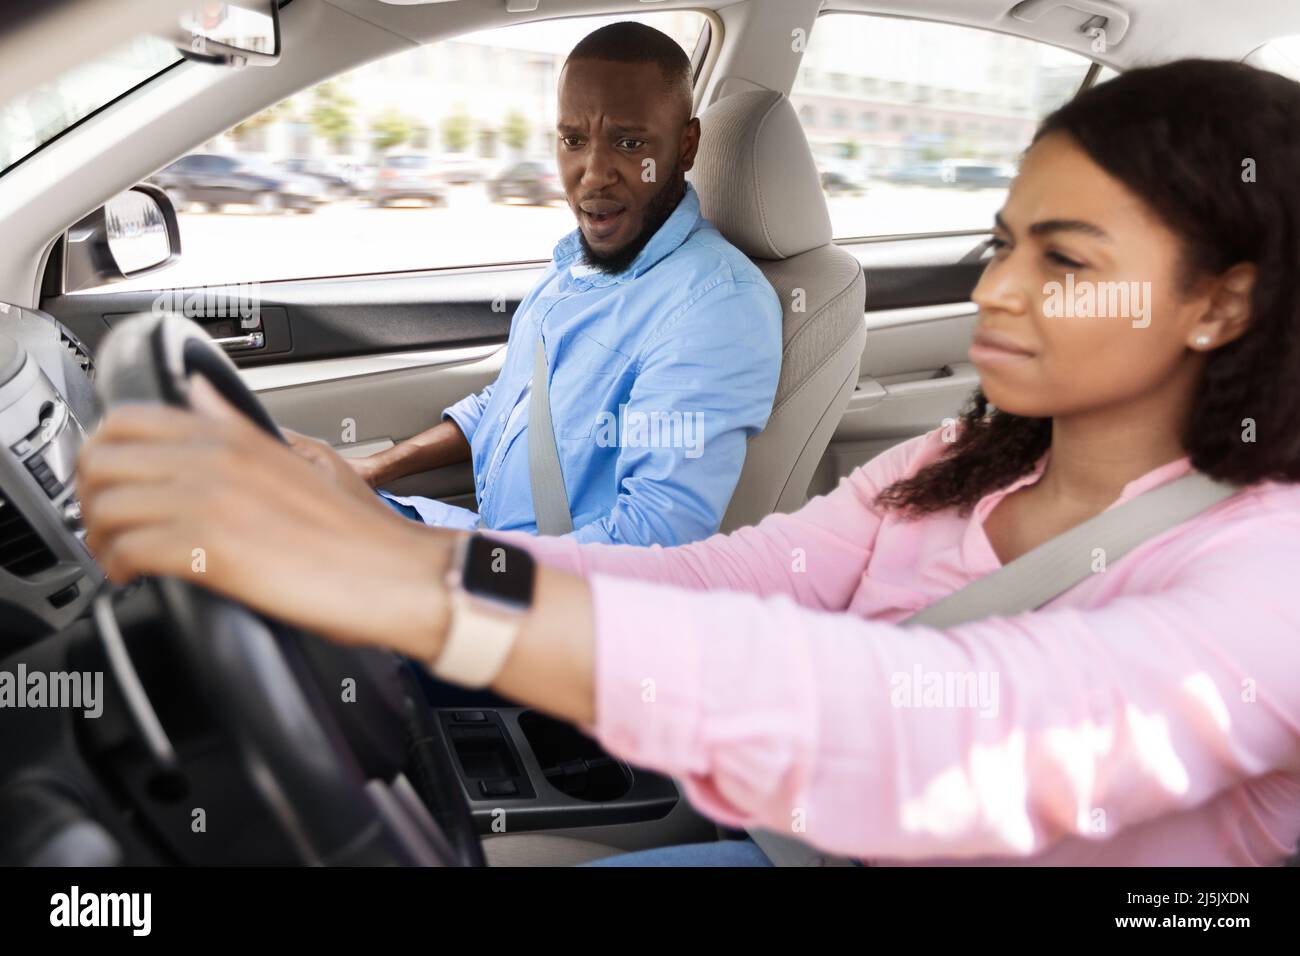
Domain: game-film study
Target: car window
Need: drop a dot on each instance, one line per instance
(32, 119)
(925, 120)
(259, 167)
(421, 140)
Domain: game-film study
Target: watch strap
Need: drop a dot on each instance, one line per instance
(479, 640)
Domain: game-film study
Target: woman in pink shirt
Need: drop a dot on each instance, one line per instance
(1149, 715)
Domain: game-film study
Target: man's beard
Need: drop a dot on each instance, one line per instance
(661, 206)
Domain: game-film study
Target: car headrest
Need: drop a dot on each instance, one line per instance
(756, 177)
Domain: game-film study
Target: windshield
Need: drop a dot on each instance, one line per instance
(31, 120)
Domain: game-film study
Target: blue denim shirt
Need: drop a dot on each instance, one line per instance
(659, 376)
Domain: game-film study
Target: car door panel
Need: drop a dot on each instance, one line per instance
(372, 359)
(914, 371)
(360, 408)
(332, 318)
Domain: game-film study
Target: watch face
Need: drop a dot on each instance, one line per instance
(498, 571)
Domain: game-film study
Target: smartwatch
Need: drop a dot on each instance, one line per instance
(490, 585)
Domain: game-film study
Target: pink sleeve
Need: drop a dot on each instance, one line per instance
(787, 718)
(816, 555)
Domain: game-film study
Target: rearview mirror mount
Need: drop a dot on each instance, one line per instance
(230, 32)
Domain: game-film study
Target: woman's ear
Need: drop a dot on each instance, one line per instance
(1228, 315)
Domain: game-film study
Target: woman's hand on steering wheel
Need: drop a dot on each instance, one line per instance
(210, 498)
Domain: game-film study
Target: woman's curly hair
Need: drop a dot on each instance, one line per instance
(1183, 137)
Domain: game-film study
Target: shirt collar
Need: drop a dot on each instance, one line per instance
(676, 228)
(975, 547)
(1152, 479)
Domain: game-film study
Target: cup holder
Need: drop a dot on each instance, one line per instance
(572, 762)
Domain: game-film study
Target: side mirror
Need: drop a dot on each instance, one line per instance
(132, 234)
(230, 32)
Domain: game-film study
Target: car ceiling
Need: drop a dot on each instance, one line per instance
(43, 40)
(1159, 30)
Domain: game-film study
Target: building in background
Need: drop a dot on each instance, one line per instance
(893, 94)
(486, 98)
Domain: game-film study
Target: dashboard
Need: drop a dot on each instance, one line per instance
(47, 405)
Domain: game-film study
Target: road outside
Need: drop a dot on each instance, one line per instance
(351, 237)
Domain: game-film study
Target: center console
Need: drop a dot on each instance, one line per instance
(529, 771)
(47, 577)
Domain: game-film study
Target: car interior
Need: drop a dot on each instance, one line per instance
(207, 705)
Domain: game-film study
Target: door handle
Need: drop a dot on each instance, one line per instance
(954, 375)
(237, 343)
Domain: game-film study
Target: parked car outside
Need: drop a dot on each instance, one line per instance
(338, 182)
(838, 184)
(408, 176)
(211, 181)
(534, 181)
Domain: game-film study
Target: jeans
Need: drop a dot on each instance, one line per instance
(719, 853)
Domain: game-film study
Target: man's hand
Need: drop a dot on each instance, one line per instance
(216, 501)
(353, 474)
(368, 468)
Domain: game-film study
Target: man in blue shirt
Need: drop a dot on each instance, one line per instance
(663, 341)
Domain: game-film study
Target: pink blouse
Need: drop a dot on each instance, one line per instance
(1150, 715)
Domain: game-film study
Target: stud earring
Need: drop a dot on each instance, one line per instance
(1201, 341)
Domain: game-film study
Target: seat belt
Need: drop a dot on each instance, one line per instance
(1058, 564)
(550, 498)
(1035, 578)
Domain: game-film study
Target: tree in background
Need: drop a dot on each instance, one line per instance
(456, 130)
(272, 114)
(332, 115)
(390, 130)
(515, 131)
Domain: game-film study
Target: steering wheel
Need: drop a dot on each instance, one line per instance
(329, 770)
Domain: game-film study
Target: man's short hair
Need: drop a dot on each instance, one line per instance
(631, 42)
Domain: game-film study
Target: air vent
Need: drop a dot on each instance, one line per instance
(22, 552)
(78, 352)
